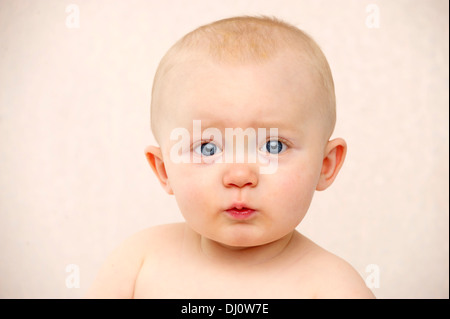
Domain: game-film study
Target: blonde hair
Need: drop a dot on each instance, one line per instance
(241, 40)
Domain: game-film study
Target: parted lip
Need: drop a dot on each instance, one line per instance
(239, 206)
(240, 211)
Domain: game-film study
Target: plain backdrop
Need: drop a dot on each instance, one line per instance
(75, 83)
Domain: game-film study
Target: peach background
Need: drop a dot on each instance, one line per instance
(74, 121)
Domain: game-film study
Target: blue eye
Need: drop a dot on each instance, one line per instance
(274, 147)
(207, 149)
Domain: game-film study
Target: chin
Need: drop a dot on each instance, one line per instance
(242, 240)
(235, 245)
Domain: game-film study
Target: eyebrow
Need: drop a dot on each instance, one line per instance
(283, 129)
(221, 123)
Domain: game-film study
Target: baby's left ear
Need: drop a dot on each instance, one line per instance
(335, 152)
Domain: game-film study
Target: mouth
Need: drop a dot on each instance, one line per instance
(240, 212)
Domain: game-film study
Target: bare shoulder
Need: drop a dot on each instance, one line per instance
(333, 276)
(117, 276)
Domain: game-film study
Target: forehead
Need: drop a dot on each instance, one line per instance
(282, 92)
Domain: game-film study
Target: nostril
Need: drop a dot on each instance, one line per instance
(241, 185)
(248, 184)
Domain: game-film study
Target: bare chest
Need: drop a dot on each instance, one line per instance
(186, 281)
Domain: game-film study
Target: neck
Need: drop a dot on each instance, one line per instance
(244, 256)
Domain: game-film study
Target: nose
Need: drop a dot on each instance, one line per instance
(240, 175)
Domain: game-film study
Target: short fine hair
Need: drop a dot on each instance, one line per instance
(245, 39)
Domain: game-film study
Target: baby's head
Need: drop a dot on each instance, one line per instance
(253, 74)
(240, 42)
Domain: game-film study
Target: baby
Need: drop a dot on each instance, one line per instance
(267, 86)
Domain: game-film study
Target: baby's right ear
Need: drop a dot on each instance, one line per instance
(155, 159)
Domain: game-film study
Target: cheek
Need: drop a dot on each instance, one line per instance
(294, 190)
(297, 193)
(188, 176)
(182, 181)
(193, 191)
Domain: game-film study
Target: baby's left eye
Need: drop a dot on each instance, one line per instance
(274, 147)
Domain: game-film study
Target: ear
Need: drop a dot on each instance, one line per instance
(155, 159)
(335, 152)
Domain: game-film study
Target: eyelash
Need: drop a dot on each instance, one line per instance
(204, 142)
(199, 144)
(278, 139)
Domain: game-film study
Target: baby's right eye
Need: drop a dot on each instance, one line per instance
(207, 149)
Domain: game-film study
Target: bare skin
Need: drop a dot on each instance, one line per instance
(213, 254)
(147, 267)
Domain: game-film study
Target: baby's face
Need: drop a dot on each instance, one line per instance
(232, 202)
